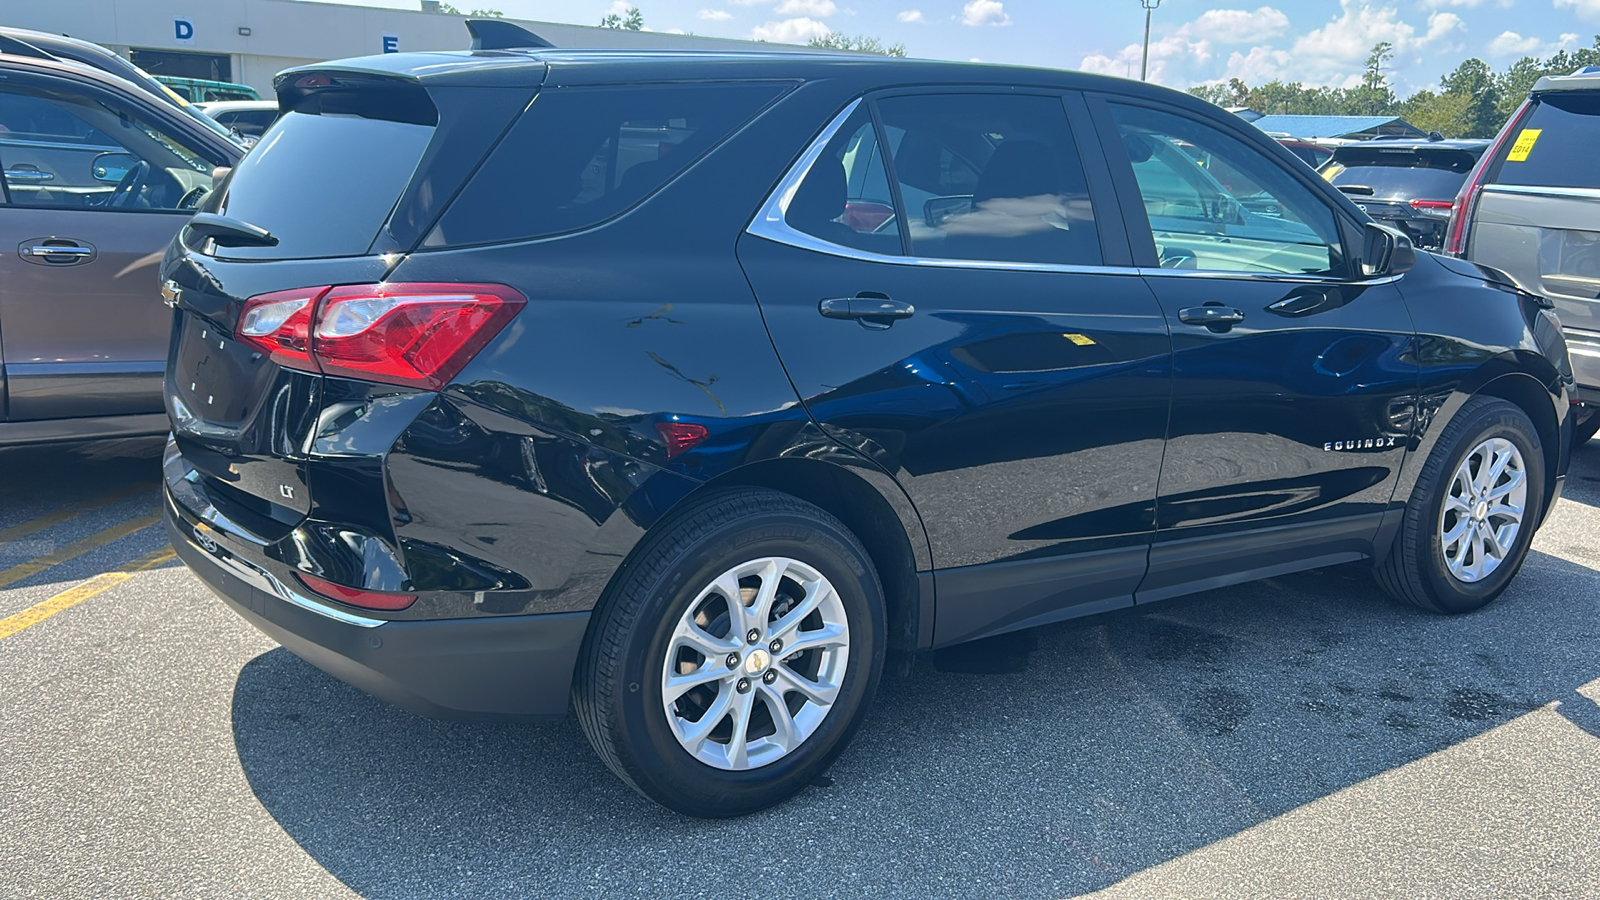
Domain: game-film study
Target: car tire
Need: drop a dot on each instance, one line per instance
(1444, 558)
(665, 616)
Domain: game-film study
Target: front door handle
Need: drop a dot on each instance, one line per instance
(54, 251)
(1217, 318)
(871, 309)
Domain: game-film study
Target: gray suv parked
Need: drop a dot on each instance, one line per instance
(96, 176)
(1531, 208)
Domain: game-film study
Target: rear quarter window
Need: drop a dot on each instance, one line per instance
(1564, 150)
(580, 156)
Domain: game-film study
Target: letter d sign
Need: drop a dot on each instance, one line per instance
(183, 29)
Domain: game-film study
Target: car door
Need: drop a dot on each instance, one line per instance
(95, 188)
(961, 309)
(1294, 377)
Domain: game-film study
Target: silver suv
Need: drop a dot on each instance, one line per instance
(1531, 208)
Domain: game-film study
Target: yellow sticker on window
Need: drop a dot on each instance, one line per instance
(1524, 145)
(1082, 340)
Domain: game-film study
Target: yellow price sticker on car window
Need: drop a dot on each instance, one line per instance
(1524, 144)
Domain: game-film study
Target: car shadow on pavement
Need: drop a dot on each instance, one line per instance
(1117, 743)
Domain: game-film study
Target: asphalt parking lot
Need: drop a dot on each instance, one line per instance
(1302, 736)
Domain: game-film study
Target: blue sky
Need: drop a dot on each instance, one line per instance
(1314, 41)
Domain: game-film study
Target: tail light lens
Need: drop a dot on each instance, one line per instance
(279, 324)
(413, 335)
(1439, 208)
(385, 600)
(1455, 236)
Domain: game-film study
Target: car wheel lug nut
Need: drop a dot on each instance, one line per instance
(753, 636)
(776, 646)
(744, 685)
(770, 677)
(733, 660)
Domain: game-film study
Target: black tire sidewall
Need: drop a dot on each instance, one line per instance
(1498, 419)
(660, 765)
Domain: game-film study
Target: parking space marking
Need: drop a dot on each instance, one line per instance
(56, 517)
(75, 549)
(71, 597)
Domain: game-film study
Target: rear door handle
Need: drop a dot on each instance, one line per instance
(872, 310)
(1217, 317)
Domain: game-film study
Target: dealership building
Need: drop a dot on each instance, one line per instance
(249, 41)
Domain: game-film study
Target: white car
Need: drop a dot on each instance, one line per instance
(248, 118)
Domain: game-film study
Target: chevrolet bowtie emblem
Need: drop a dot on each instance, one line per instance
(170, 293)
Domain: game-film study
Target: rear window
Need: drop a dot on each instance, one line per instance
(323, 183)
(1556, 145)
(580, 156)
(1401, 181)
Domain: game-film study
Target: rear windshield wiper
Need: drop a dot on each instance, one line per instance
(230, 232)
(1361, 189)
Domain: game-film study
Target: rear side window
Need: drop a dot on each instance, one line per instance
(580, 156)
(323, 183)
(1556, 144)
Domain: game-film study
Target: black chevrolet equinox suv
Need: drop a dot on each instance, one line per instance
(683, 387)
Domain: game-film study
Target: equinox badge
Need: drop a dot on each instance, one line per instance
(1364, 444)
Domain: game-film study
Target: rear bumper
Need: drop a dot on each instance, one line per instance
(505, 667)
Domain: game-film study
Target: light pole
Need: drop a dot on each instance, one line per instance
(1144, 65)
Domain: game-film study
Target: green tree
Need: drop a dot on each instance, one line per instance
(1475, 83)
(476, 14)
(833, 40)
(632, 20)
(1374, 97)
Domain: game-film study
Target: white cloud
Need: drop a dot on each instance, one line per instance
(1335, 55)
(1173, 60)
(1586, 9)
(1509, 43)
(910, 15)
(819, 8)
(1442, 25)
(1236, 26)
(715, 15)
(618, 8)
(993, 12)
(790, 31)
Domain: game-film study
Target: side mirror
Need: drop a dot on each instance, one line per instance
(938, 210)
(1386, 252)
(112, 167)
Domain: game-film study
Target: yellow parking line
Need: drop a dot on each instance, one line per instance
(23, 529)
(75, 549)
(67, 599)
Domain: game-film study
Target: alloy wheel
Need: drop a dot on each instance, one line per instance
(755, 663)
(1483, 510)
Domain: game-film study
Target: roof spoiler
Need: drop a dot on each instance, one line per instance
(494, 34)
(19, 47)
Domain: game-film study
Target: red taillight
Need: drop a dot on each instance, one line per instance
(680, 436)
(414, 335)
(1433, 207)
(1455, 236)
(386, 600)
(280, 325)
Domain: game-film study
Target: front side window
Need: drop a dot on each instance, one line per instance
(70, 150)
(990, 177)
(1215, 203)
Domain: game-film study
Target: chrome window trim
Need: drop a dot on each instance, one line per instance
(1580, 193)
(769, 224)
(1266, 277)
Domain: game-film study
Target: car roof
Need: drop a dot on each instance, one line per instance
(535, 67)
(218, 106)
(1584, 79)
(1415, 144)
